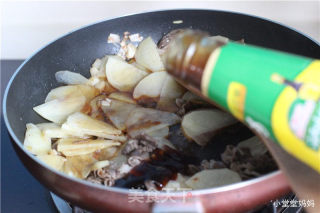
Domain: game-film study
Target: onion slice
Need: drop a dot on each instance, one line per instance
(81, 125)
(68, 77)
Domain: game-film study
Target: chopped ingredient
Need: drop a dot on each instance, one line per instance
(113, 38)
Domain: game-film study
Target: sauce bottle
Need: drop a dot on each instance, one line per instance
(276, 94)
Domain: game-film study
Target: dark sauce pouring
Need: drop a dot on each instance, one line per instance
(165, 164)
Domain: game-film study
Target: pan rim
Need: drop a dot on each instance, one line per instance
(116, 189)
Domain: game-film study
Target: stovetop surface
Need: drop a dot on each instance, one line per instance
(20, 191)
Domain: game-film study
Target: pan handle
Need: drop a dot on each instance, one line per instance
(194, 206)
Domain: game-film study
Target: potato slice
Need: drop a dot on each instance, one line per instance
(130, 51)
(146, 120)
(122, 96)
(58, 110)
(107, 153)
(167, 104)
(95, 105)
(118, 112)
(79, 166)
(178, 184)
(88, 91)
(53, 130)
(123, 76)
(77, 146)
(162, 142)
(255, 145)
(140, 67)
(161, 132)
(172, 185)
(169, 92)
(54, 161)
(102, 85)
(43, 126)
(150, 86)
(147, 55)
(64, 92)
(81, 125)
(182, 180)
(100, 165)
(36, 142)
(67, 77)
(212, 178)
(141, 116)
(171, 89)
(147, 128)
(201, 125)
(98, 68)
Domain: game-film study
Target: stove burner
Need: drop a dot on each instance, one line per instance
(274, 207)
(61, 205)
(64, 206)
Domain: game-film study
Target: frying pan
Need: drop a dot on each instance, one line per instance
(77, 50)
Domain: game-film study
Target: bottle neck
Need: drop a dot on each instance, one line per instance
(187, 56)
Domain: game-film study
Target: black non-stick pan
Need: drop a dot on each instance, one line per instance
(77, 50)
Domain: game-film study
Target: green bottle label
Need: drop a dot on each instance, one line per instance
(275, 93)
